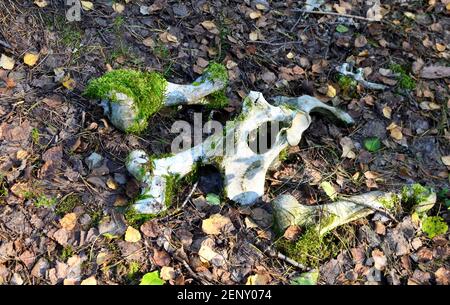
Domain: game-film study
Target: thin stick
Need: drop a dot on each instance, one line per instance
(336, 14)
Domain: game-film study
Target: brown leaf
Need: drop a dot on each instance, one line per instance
(69, 221)
(380, 259)
(161, 258)
(216, 224)
(360, 41)
(442, 276)
(150, 229)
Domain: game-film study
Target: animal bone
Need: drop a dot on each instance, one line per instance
(346, 69)
(243, 168)
(129, 98)
(288, 211)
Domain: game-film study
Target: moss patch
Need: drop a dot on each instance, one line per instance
(216, 71)
(405, 81)
(434, 226)
(310, 249)
(347, 84)
(68, 204)
(217, 100)
(147, 89)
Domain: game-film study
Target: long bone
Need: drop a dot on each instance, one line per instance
(346, 69)
(325, 217)
(244, 169)
(129, 97)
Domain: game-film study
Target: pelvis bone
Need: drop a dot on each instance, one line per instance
(244, 169)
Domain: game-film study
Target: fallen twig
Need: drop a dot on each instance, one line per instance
(336, 14)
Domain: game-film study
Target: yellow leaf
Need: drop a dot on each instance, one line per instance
(41, 3)
(255, 14)
(209, 25)
(446, 160)
(89, 281)
(69, 83)
(118, 7)
(172, 38)
(410, 15)
(21, 154)
(258, 279)
(30, 59)
(111, 184)
(6, 62)
(440, 47)
(87, 5)
(331, 91)
(387, 112)
(215, 224)
(253, 36)
(148, 42)
(132, 235)
(396, 131)
(69, 221)
(290, 55)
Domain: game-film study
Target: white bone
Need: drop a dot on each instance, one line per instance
(123, 112)
(244, 169)
(346, 69)
(288, 211)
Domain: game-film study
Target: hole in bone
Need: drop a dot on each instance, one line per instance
(261, 139)
(210, 179)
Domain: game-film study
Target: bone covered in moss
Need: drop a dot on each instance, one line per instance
(244, 170)
(288, 211)
(346, 70)
(130, 97)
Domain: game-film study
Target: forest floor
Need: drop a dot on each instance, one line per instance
(62, 218)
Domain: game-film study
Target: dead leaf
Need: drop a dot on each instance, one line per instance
(347, 148)
(253, 36)
(132, 235)
(148, 42)
(379, 259)
(89, 281)
(440, 47)
(210, 26)
(69, 221)
(443, 274)
(216, 224)
(446, 160)
(396, 131)
(118, 7)
(87, 5)
(255, 14)
(360, 41)
(435, 72)
(6, 62)
(374, 13)
(258, 279)
(69, 83)
(20, 189)
(41, 3)
(331, 91)
(30, 59)
(167, 273)
(161, 258)
(387, 112)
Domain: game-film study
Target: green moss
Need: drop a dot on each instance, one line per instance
(44, 201)
(405, 81)
(216, 71)
(35, 136)
(347, 84)
(133, 269)
(66, 253)
(136, 219)
(171, 183)
(217, 100)
(434, 226)
(310, 249)
(412, 195)
(68, 204)
(147, 89)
